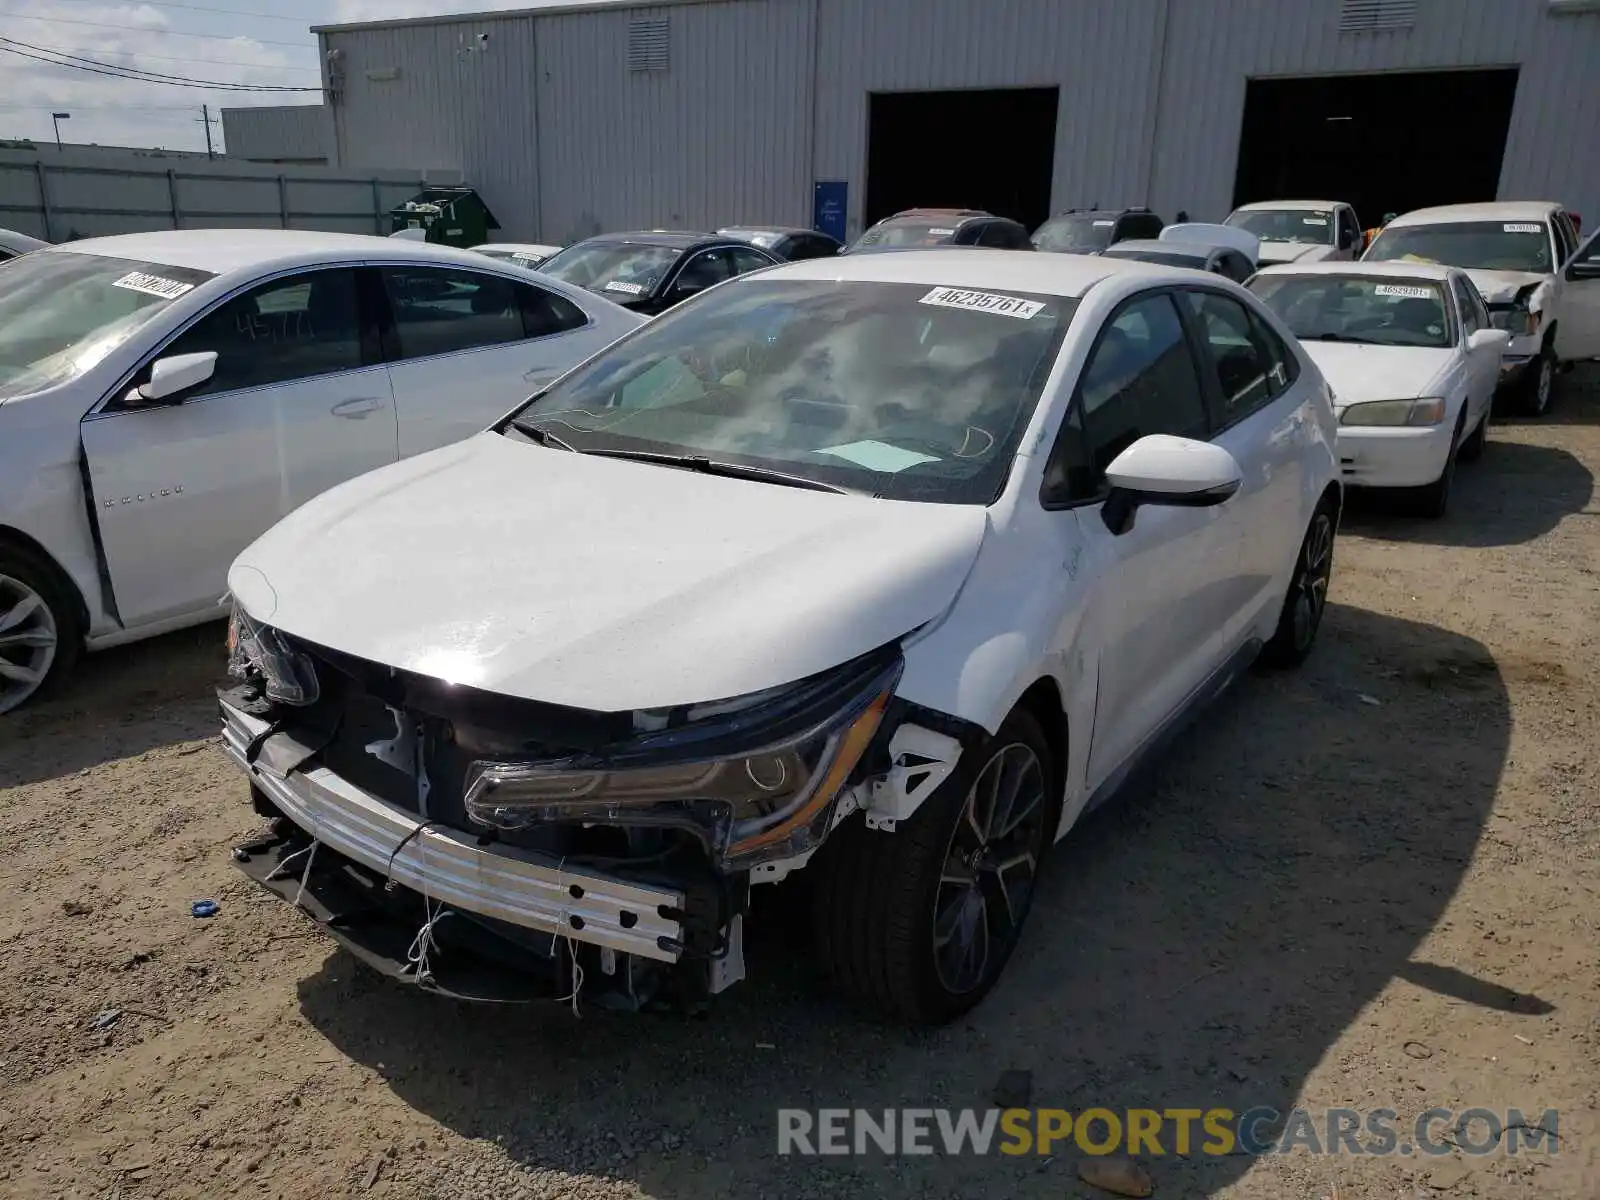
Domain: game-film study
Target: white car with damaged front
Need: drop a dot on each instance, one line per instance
(883, 568)
(1412, 360)
(1539, 283)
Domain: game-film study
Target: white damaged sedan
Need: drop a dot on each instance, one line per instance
(884, 568)
(1412, 360)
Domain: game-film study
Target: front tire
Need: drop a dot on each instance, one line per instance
(40, 633)
(1472, 449)
(919, 923)
(1536, 388)
(1307, 600)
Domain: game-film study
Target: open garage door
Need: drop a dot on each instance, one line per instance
(992, 149)
(1385, 142)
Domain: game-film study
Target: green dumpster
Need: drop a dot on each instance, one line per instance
(451, 216)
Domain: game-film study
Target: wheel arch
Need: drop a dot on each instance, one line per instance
(12, 538)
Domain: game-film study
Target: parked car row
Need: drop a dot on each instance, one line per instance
(532, 671)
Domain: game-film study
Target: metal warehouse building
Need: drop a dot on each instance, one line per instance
(699, 113)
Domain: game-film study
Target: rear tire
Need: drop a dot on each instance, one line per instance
(40, 632)
(1307, 600)
(920, 922)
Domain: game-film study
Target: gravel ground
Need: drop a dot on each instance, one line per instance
(1368, 884)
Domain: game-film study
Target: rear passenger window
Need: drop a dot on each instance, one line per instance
(1252, 365)
(1140, 379)
(748, 260)
(439, 310)
(545, 313)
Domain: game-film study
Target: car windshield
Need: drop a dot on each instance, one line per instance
(62, 312)
(1471, 245)
(909, 233)
(1349, 308)
(907, 391)
(618, 268)
(1080, 231)
(1314, 227)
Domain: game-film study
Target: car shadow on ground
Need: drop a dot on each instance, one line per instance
(1201, 942)
(1517, 493)
(118, 703)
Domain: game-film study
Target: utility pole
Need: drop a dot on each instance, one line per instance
(205, 119)
(56, 118)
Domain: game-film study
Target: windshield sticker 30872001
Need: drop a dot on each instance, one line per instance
(1005, 306)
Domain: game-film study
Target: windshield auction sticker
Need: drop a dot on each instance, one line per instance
(1005, 306)
(1405, 293)
(152, 285)
(629, 289)
(1519, 227)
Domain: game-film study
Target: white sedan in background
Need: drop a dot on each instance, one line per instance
(165, 397)
(1412, 360)
(885, 567)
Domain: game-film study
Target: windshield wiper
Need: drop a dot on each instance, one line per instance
(544, 436)
(711, 466)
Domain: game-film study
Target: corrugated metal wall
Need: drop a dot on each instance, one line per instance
(456, 95)
(1100, 53)
(280, 133)
(762, 97)
(1552, 149)
(721, 136)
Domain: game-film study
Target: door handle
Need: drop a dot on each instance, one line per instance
(357, 407)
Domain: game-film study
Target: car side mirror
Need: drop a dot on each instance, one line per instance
(1588, 269)
(1348, 239)
(1169, 471)
(170, 377)
(1479, 339)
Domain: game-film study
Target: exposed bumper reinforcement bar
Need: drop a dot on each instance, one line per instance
(510, 884)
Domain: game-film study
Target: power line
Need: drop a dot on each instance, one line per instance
(227, 12)
(95, 67)
(210, 62)
(209, 37)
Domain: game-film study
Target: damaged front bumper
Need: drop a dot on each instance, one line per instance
(519, 887)
(501, 849)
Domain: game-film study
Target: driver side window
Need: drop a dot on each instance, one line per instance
(1140, 379)
(297, 327)
(704, 270)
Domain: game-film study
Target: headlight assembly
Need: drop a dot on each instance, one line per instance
(769, 801)
(288, 676)
(1424, 412)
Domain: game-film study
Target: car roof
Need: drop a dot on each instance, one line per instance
(1102, 213)
(1199, 250)
(1395, 268)
(537, 247)
(20, 243)
(1494, 210)
(681, 239)
(734, 231)
(222, 251)
(1288, 205)
(1069, 275)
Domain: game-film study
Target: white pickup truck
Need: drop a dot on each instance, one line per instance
(1539, 283)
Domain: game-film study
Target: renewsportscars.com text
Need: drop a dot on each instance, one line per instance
(1163, 1131)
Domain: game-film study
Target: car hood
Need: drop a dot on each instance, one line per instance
(1358, 373)
(1501, 287)
(599, 583)
(1288, 252)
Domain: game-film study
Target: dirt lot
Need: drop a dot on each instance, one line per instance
(1372, 884)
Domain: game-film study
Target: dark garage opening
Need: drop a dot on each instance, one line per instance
(1384, 143)
(989, 149)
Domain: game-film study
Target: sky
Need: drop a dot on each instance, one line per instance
(262, 42)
